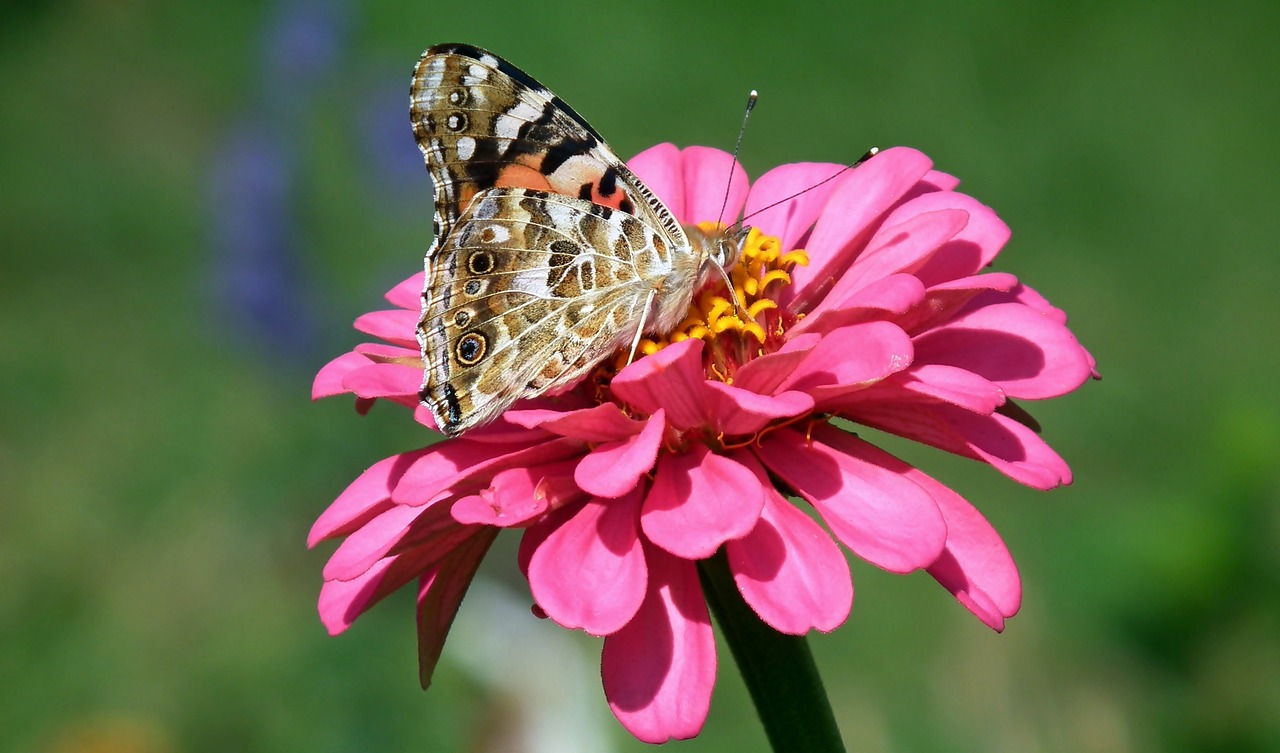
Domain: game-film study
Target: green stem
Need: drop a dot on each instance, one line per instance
(778, 669)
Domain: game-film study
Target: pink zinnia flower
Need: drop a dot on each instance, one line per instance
(622, 485)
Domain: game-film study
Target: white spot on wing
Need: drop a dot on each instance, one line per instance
(466, 147)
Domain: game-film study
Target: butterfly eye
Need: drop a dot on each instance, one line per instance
(725, 253)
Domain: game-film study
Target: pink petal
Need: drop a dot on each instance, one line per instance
(395, 326)
(944, 301)
(902, 246)
(736, 411)
(517, 495)
(853, 212)
(763, 375)
(460, 464)
(706, 177)
(952, 385)
(440, 592)
(383, 533)
(671, 379)
(792, 218)
(862, 493)
(852, 356)
(895, 294)
(341, 602)
(1026, 295)
(408, 294)
(789, 570)
(937, 181)
(976, 565)
(1027, 353)
(659, 670)
(600, 423)
(387, 380)
(698, 501)
(367, 496)
(660, 169)
(384, 352)
(328, 381)
(615, 468)
(590, 572)
(1007, 445)
(972, 248)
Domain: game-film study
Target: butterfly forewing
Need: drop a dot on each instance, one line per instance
(481, 122)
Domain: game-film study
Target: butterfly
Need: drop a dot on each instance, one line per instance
(549, 254)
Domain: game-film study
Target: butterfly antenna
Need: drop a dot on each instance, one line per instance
(742, 130)
(846, 168)
(728, 186)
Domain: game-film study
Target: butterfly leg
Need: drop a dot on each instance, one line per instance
(635, 341)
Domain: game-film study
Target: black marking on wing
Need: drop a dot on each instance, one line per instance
(609, 181)
(476, 53)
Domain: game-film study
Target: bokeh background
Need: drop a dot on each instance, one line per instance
(196, 199)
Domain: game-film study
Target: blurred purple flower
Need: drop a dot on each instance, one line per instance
(260, 291)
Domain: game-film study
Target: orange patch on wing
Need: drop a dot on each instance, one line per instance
(613, 202)
(522, 176)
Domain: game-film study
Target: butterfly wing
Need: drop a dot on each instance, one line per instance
(534, 290)
(483, 123)
(489, 131)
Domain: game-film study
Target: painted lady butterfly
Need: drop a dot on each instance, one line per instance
(549, 254)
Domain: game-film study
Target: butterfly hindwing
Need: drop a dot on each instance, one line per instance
(535, 289)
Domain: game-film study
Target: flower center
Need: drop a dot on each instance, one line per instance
(741, 324)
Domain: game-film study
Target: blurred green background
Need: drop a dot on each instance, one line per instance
(197, 198)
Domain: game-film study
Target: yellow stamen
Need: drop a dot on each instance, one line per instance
(740, 328)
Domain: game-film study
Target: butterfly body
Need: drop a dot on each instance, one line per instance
(549, 253)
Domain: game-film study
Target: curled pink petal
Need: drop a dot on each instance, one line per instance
(698, 501)
(763, 375)
(972, 248)
(957, 386)
(590, 572)
(659, 669)
(341, 602)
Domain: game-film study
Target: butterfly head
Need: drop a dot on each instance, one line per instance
(718, 250)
